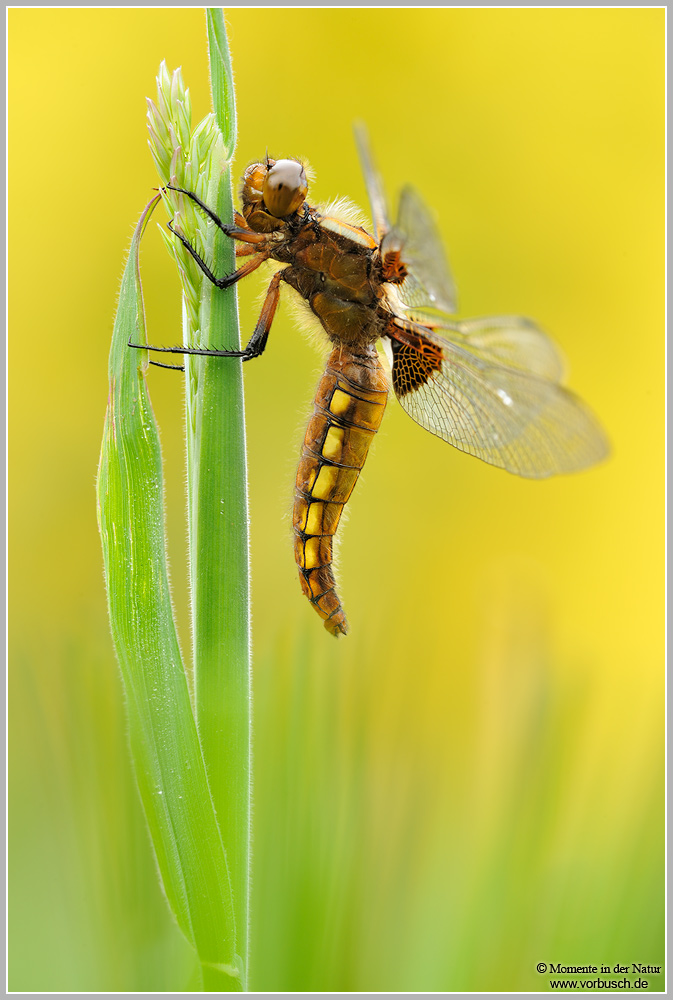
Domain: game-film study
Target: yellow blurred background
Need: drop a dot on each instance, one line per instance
(471, 782)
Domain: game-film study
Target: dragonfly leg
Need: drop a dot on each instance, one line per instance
(236, 232)
(255, 345)
(175, 368)
(228, 279)
(260, 334)
(205, 352)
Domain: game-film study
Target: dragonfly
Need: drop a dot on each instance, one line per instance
(491, 387)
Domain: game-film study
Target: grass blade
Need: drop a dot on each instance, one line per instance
(221, 78)
(164, 743)
(216, 460)
(219, 537)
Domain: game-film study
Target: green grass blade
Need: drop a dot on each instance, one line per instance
(219, 536)
(164, 743)
(219, 549)
(221, 78)
(198, 161)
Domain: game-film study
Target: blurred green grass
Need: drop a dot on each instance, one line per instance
(384, 860)
(471, 782)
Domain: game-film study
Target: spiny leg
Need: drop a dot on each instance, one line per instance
(252, 240)
(229, 279)
(204, 352)
(159, 364)
(242, 233)
(260, 334)
(257, 341)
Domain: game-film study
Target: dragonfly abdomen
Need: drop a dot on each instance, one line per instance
(349, 405)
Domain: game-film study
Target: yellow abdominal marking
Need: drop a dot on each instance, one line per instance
(314, 519)
(333, 445)
(341, 402)
(325, 483)
(311, 552)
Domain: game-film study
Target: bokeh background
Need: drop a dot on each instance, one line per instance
(471, 782)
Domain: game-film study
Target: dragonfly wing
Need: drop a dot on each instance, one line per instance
(374, 184)
(429, 281)
(414, 238)
(479, 389)
(510, 341)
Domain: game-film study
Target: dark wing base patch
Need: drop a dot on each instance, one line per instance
(413, 366)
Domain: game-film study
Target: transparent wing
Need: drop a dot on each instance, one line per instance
(490, 388)
(415, 235)
(510, 341)
(377, 198)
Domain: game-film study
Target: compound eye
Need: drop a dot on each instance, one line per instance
(285, 188)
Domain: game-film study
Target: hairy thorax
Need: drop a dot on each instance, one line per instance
(335, 267)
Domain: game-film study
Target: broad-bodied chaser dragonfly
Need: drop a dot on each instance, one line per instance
(490, 387)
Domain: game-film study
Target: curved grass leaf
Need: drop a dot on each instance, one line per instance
(164, 742)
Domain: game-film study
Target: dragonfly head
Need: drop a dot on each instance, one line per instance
(276, 188)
